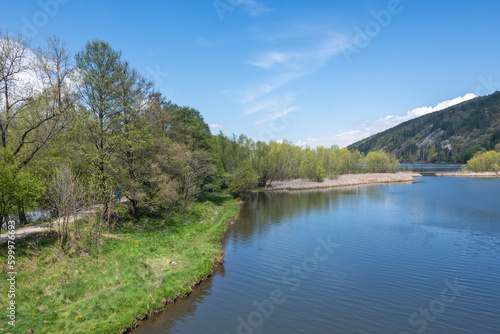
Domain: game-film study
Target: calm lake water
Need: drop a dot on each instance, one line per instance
(405, 258)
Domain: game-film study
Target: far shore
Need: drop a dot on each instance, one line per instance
(344, 181)
(471, 174)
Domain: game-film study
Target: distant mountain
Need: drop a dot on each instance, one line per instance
(450, 135)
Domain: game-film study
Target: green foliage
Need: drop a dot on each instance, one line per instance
(380, 162)
(243, 180)
(19, 189)
(320, 174)
(311, 167)
(106, 290)
(497, 147)
(278, 161)
(188, 127)
(471, 152)
(485, 162)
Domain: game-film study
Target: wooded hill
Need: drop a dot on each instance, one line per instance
(454, 134)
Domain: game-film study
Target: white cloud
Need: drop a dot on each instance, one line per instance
(216, 126)
(270, 59)
(391, 120)
(290, 65)
(284, 66)
(371, 127)
(304, 61)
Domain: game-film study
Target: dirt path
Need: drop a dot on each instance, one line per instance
(24, 232)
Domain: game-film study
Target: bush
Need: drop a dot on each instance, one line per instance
(320, 174)
(243, 180)
(485, 162)
(380, 162)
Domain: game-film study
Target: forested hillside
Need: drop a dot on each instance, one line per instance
(451, 135)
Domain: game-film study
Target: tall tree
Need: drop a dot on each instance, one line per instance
(101, 73)
(35, 98)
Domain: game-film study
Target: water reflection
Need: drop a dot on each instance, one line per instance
(397, 246)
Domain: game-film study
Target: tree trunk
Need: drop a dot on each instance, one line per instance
(133, 207)
(22, 218)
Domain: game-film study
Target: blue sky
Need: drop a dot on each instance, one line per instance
(314, 72)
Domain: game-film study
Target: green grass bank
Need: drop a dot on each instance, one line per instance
(108, 290)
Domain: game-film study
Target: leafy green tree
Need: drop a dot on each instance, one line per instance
(101, 79)
(19, 189)
(485, 162)
(187, 126)
(380, 162)
(243, 180)
(311, 168)
(471, 152)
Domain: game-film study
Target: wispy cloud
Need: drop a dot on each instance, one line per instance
(272, 108)
(289, 65)
(261, 90)
(270, 59)
(371, 127)
(278, 114)
(304, 61)
(255, 7)
(267, 100)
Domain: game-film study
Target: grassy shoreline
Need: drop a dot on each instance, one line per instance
(131, 277)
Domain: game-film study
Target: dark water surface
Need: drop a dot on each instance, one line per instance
(412, 258)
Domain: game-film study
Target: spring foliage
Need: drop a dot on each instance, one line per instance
(98, 119)
(485, 162)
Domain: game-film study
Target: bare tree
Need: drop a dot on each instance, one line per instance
(66, 196)
(37, 94)
(15, 88)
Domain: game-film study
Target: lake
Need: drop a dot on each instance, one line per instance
(401, 258)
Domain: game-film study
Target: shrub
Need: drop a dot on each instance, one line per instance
(380, 162)
(243, 180)
(485, 162)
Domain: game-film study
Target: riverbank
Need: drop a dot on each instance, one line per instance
(344, 181)
(471, 174)
(142, 266)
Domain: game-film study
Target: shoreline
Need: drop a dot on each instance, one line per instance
(344, 181)
(168, 303)
(167, 260)
(471, 174)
